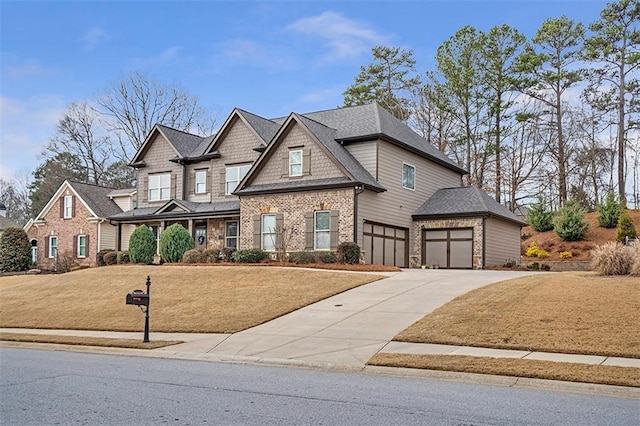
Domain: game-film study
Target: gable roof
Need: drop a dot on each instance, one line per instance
(183, 143)
(180, 208)
(326, 138)
(464, 201)
(263, 129)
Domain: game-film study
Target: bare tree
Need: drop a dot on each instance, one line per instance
(15, 197)
(136, 103)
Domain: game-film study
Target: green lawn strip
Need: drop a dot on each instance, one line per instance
(550, 370)
(86, 341)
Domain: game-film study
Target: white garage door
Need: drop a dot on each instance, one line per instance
(448, 248)
(385, 244)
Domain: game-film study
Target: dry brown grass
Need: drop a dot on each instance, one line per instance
(202, 299)
(580, 250)
(86, 341)
(604, 374)
(569, 312)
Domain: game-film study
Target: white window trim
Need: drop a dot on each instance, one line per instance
(67, 212)
(263, 233)
(414, 177)
(203, 176)
(81, 256)
(51, 254)
(291, 164)
(239, 175)
(159, 188)
(236, 237)
(316, 230)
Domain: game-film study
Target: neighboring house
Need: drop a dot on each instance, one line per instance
(74, 224)
(5, 222)
(311, 181)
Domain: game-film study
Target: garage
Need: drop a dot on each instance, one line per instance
(385, 244)
(448, 248)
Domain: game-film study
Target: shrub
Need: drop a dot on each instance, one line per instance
(174, 242)
(302, 257)
(64, 262)
(226, 254)
(211, 255)
(15, 250)
(570, 224)
(327, 257)
(612, 259)
(532, 250)
(123, 257)
(524, 236)
(542, 254)
(609, 212)
(249, 256)
(111, 258)
(566, 255)
(626, 227)
(539, 217)
(535, 266)
(193, 256)
(100, 257)
(348, 252)
(142, 245)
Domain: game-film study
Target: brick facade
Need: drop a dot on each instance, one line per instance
(294, 206)
(415, 259)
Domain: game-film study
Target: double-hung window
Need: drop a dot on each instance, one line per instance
(82, 246)
(268, 232)
(231, 234)
(234, 175)
(322, 230)
(67, 211)
(408, 176)
(201, 182)
(53, 246)
(295, 162)
(159, 187)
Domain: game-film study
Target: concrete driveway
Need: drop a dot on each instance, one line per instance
(347, 329)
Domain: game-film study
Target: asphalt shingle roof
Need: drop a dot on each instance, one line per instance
(192, 207)
(464, 201)
(294, 185)
(266, 129)
(97, 198)
(185, 143)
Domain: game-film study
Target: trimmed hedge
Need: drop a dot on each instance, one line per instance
(249, 256)
(174, 242)
(15, 250)
(142, 245)
(348, 252)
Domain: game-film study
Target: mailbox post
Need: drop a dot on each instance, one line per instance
(139, 298)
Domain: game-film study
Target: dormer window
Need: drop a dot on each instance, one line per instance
(295, 163)
(159, 187)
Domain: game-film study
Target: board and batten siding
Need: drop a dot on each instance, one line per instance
(397, 204)
(367, 154)
(502, 242)
(157, 161)
(236, 147)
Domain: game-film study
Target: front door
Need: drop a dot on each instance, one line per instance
(201, 235)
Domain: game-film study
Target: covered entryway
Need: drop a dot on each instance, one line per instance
(385, 244)
(448, 248)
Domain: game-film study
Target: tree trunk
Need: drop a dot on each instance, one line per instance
(621, 141)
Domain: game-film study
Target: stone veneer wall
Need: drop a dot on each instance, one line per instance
(294, 206)
(415, 259)
(215, 234)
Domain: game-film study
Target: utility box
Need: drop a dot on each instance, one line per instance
(138, 297)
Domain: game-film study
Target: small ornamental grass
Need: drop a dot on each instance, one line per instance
(614, 259)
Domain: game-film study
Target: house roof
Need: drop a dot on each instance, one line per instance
(5, 223)
(96, 198)
(464, 201)
(265, 128)
(297, 185)
(185, 143)
(125, 192)
(186, 208)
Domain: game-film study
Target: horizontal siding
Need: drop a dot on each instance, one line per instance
(397, 204)
(502, 242)
(125, 235)
(123, 202)
(107, 236)
(367, 154)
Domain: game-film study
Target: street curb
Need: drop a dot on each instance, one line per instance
(484, 379)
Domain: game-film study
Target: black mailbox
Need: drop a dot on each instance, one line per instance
(137, 297)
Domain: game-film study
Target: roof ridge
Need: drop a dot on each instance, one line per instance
(314, 121)
(181, 131)
(90, 184)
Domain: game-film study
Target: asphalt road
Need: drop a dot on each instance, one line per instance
(48, 387)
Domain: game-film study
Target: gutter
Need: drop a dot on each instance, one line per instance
(357, 190)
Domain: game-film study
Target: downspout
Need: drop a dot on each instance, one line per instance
(99, 235)
(357, 190)
(184, 181)
(484, 242)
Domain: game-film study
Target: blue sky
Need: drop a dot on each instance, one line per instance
(266, 57)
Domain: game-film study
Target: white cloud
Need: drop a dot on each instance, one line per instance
(92, 37)
(344, 38)
(167, 56)
(27, 69)
(27, 124)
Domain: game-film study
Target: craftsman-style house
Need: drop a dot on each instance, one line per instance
(311, 181)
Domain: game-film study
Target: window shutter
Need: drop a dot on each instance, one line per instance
(86, 245)
(172, 187)
(46, 247)
(306, 162)
(62, 206)
(145, 189)
(285, 166)
(192, 183)
(208, 188)
(256, 219)
(223, 181)
(73, 206)
(279, 230)
(75, 246)
(334, 234)
(308, 231)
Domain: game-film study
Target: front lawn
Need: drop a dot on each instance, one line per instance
(198, 299)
